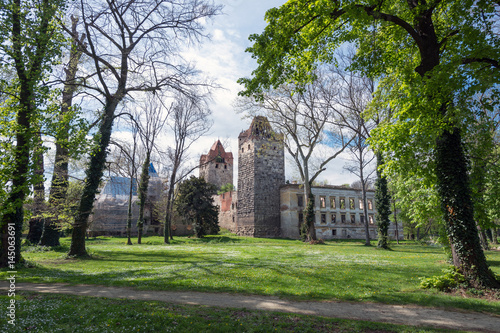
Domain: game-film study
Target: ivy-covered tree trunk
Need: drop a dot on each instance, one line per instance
(383, 206)
(36, 221)
(29, 68)
(143, 194)
(309, 219)
(457, 206)
(94, 174)
(60, 175)
(363, 197)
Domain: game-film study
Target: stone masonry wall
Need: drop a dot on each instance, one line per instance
(218, 174)
(261, 171)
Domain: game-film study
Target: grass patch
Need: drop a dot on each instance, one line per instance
(338, 270)
(62, 313)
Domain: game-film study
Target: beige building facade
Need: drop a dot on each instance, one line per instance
(339, 212)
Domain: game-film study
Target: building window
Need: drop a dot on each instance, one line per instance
(360, 204)
(323, 218)
(351, 203)
(232, 207)
(334, 232)
(242, 150)
(334, 218)
(233, 218)
(332, 202)
(342, 218)
(225, 166)
(248, 147)
(353, 218)
(216, 166)
(342, 203)
(300, 200)
(370, 218)
(322, 202)
(301, 217)
(223, 195)
(362, 219)
(370, 204)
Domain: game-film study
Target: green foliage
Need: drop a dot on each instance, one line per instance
(449, 280)
(30, 44)
(226, 188)
(428, 56)
(195, 203)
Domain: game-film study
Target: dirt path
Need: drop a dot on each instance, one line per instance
(396, 314)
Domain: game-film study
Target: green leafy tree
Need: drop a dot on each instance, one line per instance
(195, 204)
(424, 54)
(226, 188)
(30, 43)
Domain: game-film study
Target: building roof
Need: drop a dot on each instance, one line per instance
(152, 171)
(119, 186)
(260, 128)
(215, 152)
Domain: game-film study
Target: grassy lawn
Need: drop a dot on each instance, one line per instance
(338, 270)
(60, 313)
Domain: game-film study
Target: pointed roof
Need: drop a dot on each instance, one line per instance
(260, 128)
(217, 150)
(152, 171)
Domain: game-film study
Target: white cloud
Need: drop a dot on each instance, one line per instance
(223, 58)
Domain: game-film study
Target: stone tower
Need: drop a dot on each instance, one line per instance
(217, 166)
(261, 172)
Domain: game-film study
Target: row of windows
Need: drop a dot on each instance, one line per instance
(333, 205)
(343, 218)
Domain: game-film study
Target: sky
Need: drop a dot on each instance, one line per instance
(224, 59)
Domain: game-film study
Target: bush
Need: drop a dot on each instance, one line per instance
(449, 280)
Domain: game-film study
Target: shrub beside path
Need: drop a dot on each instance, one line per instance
(395, 314)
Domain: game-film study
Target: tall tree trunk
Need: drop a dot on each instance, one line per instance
(129, 211)
(383, 206)
(60, 181)
(12, 221)
(29, 75)
(457, 206)
(308, 231)
(395, 220)
(494, 232)
(168, 212)
(36, 222)
(94, 173)
(143, 194)
(363, 197)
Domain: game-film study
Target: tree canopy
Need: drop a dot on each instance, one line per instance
(195, 203)
(427, 56)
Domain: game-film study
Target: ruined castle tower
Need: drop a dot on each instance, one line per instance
(261, 171)
(217, 166)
